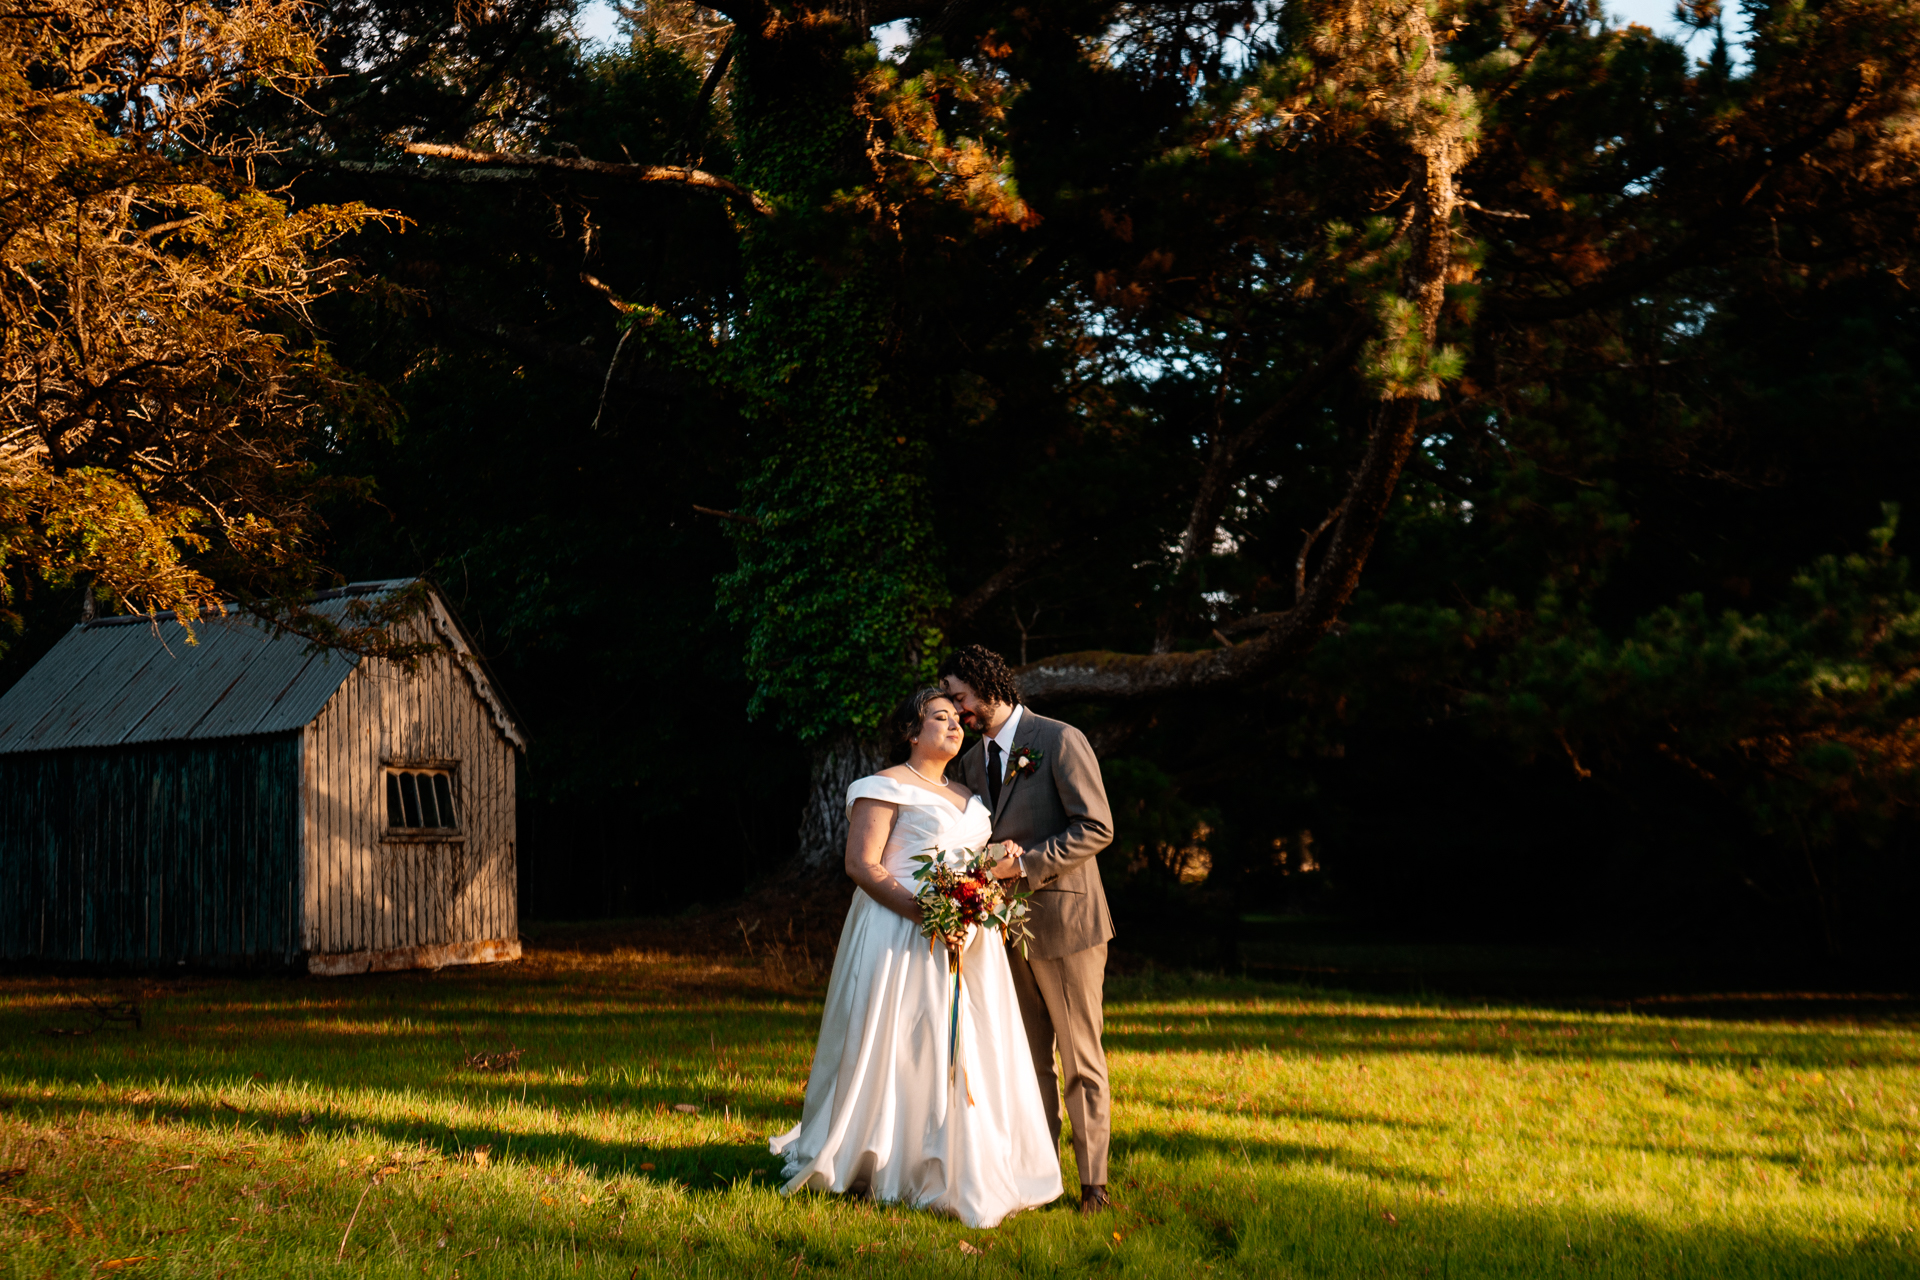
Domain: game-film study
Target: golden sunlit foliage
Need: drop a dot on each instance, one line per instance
(157, 379)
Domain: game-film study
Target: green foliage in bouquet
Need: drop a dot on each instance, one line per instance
(954, 898)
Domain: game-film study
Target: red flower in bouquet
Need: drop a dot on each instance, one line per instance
(955, 898)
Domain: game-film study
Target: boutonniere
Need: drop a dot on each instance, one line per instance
(1022, 761)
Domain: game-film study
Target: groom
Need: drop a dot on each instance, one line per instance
(1041, 780)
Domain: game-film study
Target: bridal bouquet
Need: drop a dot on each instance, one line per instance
(955, 899)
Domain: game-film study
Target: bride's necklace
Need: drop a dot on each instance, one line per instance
(924, 778)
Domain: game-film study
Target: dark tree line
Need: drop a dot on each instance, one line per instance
(1450, 459)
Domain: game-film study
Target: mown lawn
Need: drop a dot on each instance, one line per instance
(1259, 1130)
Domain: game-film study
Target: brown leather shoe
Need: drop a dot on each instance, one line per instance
(1093, 1199)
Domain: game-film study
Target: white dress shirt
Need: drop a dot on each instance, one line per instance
(1005, 739)
(1005, 736)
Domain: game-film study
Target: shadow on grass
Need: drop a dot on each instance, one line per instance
(1180, 1146)
(696, 1166)
(639, 1045)
(1297, 1211)
(1452, 1031)
(1258, 1208)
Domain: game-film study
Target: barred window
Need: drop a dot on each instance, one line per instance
(421, 800)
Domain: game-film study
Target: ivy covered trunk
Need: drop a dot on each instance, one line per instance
(835, 583)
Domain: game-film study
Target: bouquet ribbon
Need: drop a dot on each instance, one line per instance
(954, 955)
(956, 898)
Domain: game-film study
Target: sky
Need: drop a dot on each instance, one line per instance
(597, 20)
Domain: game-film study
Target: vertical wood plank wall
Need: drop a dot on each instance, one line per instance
(152, 854)
(366, 892)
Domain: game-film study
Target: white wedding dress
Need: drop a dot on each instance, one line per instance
(881, 1116)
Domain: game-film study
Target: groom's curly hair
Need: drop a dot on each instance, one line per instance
(984, 671)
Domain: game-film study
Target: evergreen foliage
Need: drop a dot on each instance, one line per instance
(1067, 328)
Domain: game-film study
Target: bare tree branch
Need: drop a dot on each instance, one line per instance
(1224, 463)
(636, 172)
(1008, 576)
(1300, 564)
(1118, 677)
(413, 173)
(708, 88)
(717, 514)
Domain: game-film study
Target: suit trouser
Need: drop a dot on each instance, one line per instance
(1060, 1003)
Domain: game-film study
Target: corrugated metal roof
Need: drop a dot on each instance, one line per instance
(124, 680)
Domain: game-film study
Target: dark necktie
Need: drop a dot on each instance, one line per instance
(993, 774)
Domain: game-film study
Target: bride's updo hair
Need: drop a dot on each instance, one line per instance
(903, 726)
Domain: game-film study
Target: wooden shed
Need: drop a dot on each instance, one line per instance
(241, 801)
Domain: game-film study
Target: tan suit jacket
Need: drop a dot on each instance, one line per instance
(1059, 815)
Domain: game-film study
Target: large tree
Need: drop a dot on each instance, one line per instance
(1118, 335)
(862, 191)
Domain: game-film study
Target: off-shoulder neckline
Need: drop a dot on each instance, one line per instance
(923, 797)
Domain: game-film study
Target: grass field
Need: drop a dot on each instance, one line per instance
(256, 1127)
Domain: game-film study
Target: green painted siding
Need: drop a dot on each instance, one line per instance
(152, 855)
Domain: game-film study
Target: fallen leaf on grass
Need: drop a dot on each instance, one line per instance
(10, 1176)
(685, 1108)
(1117, 1237)
(114, 1264)
(140, 1097)
(969, 1249)
(646, 1168)
(481, 1155)
(1388, 1215)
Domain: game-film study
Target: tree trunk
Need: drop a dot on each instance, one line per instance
(838, 763)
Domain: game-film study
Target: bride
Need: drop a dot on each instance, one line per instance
(881, 1117)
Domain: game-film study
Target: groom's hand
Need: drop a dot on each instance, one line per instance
(1008, 868)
